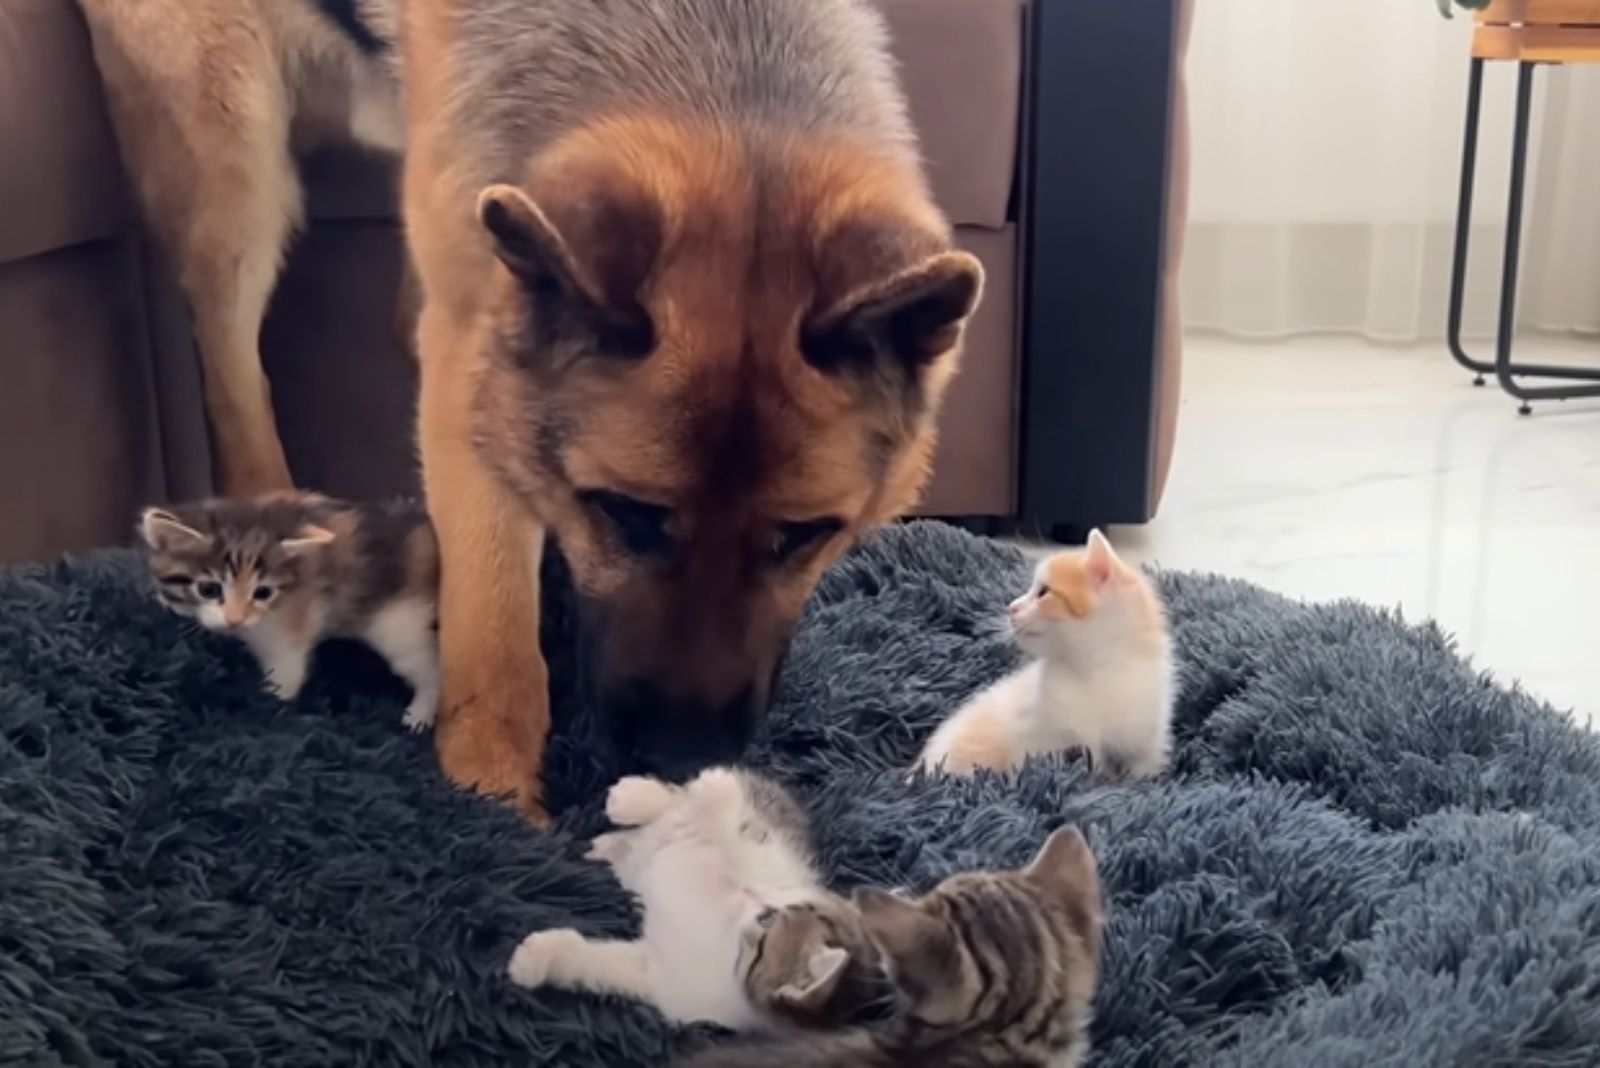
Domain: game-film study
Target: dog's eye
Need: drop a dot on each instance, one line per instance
(262, 593)
(791, 539)
(209, 590)
(645, 529)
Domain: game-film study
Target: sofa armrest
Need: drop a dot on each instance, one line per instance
(1097, 166)
(83, 387)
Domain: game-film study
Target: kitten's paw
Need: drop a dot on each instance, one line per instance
(285, 685)
(635, 800)
(538, 959)
(607, 848)
(419, 715)
(720, 785)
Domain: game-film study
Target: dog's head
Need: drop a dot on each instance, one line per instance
(710, 367)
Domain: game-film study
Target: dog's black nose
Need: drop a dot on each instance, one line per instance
(674, 739)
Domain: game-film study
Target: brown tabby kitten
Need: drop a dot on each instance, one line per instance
(990, 969)
(811, 966)
(284, 571)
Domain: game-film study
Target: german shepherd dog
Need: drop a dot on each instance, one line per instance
(687, 307)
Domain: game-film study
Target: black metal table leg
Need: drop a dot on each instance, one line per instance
(1513, 251)
(1458, 264)
(1505, 371)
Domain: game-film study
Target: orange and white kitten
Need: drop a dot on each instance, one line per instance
(284, 571)
(1101, 679)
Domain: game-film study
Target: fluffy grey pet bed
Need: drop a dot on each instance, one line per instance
(1366, 855)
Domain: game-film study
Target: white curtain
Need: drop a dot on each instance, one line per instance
(1327, 153)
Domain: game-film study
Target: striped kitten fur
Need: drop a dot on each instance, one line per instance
(992, 970)
(284, 571)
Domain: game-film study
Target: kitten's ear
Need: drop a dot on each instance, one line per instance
(1065, 871)
(824, 969)
(1064, 858)
(163, 531)
(897, 926)
(871, 901)
(309, 537)
(1100, 559)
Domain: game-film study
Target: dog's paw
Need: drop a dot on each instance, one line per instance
(635, 800)
(537, 960)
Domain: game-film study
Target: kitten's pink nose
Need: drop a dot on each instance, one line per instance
(1013, 608)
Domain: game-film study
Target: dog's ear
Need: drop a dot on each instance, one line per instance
(890, 292)
(527, 243)
(586, 274)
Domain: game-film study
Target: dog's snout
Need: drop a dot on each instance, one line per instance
(674, 738)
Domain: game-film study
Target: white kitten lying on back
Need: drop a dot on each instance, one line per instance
(1102, 680)
(713, 863)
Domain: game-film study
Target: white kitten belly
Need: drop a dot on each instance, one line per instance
(692, 918)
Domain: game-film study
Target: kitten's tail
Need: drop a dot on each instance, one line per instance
(851, 1049)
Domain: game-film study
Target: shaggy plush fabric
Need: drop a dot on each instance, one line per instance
(1366, 854)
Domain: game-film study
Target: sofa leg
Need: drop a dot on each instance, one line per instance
(1069, 533)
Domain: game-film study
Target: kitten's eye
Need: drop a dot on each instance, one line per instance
(642, 526)
(793, 538)
(767, 918)
(262, 593)
(209, 589)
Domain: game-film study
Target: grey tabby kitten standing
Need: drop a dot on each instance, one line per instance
(992, 970)
(284, 571)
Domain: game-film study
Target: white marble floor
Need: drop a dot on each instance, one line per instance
(1328, 468)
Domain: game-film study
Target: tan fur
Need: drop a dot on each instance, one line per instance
(987, 737)
(694, 185)
(208, 98)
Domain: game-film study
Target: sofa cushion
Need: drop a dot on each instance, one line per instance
(961, 64)
(61, 183)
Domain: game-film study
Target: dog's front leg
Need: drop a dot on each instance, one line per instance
(494, 712)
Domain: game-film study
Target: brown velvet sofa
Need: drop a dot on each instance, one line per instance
(1049, 129)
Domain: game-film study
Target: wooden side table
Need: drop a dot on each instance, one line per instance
(1528, 33)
